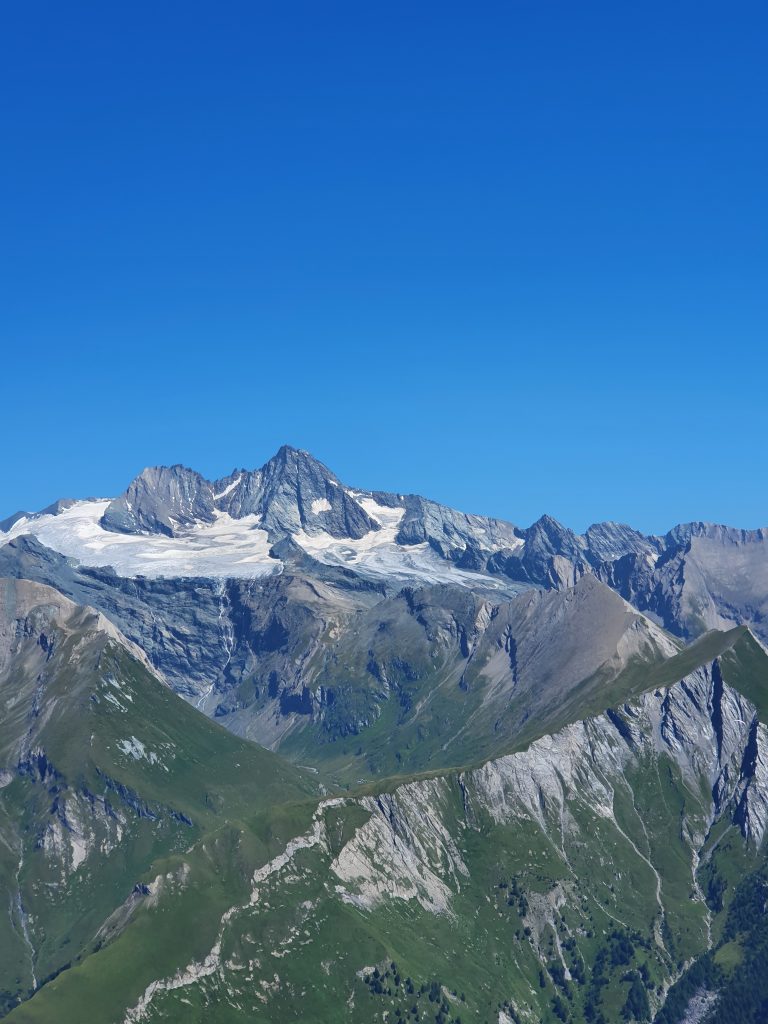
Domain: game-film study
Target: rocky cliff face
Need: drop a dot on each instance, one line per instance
(698, 576)
(292, 492)
(220, 643)
(409, 847)
(366, 635)
(161, 500)
(566, 856)
(434, 675)
(705, 577)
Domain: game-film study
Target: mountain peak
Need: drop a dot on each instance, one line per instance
(295, 492)
(160, 500)
(549, 536)
(286, 451)
(288, 459)
(292, 492)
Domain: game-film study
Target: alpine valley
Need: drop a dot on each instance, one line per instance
(274, 748)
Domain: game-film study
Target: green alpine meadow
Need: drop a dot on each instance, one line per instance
(274, 748)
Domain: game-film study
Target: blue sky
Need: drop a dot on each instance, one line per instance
(513, 256)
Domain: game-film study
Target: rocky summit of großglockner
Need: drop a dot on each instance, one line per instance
(291, 492)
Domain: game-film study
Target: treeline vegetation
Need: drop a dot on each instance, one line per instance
(415, 1002)
(742, 989)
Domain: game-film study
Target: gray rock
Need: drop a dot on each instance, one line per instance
(50, 510)
(292, 492)
(465, 539)
(161, 499)
(608, 541)
(704, 577)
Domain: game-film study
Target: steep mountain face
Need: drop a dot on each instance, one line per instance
(316, 618)
(161, 500)
(606, 542)
(574, 880)
(356, 681)
(289, 493)
(294, 512)
(455, 536)
(436, 677)
(103, 771)
(213, 640)
(706, 577)
(534, 774)
(294, 492)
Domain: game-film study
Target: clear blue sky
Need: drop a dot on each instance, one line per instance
(511, 255)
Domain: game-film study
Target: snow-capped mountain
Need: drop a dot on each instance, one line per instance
(171, 522)
(294, 514)
(521, 703)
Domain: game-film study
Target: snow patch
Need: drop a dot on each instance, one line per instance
(113, 700)
(225, 548)
(231, 548)
(228, 490)
(379, 555)
(135, 748)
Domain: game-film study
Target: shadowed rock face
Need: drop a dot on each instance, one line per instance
(606, 542)
(293, 492)
(294, 654)
(704, 577)
(203, 635)
(456, 536)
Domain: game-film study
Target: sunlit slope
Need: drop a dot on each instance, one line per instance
(555, 883)
(103, 770)
(436, 677)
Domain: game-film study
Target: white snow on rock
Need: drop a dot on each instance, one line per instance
(229, 489)
(378, 555)
(238, 548)
(225, 548)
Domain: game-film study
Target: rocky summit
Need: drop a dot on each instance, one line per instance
(275, 748)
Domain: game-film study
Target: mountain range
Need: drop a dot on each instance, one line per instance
(277, 748)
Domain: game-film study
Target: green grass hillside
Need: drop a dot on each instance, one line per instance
(572, 881)
(105, 775)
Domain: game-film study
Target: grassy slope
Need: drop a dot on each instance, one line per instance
(200, 781)
(594, 696)
(315, 946)
(745, 667)
(443, 725)
(223, 785)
